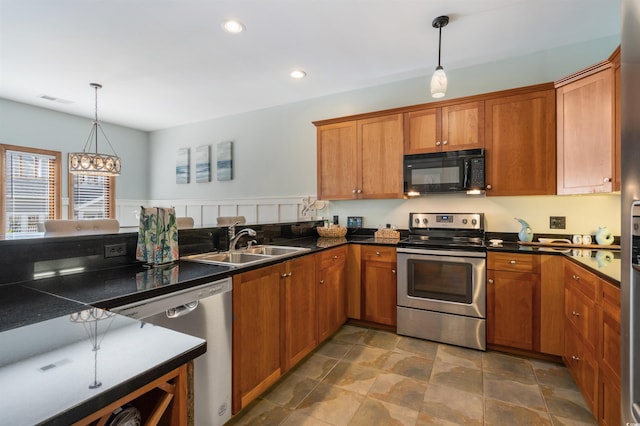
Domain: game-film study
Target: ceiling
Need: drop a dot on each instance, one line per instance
(164, 63)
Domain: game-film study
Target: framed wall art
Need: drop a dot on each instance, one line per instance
(224, 161)
(203, 164)
(182, 166)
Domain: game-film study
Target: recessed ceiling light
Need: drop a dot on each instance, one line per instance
(233, 26)
(298, 74)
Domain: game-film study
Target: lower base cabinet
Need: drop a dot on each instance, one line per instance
(513, 287)
(331, 291)
(379, 284)
(592, 340)
(299, 305)
(280, 314)
(256, 334)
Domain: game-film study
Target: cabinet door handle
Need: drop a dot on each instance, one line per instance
(606, 180)
(354, 191)
(284, 275)
(289, 274)
(575, 358)
(575, 314)
(513, 262)
(490, 281)
(575, 277)
(437, 143)
(489, 187)
(359, 191)
(445, 143)
(335, 257)
(321, 281)
(393, 271)
(377, 253)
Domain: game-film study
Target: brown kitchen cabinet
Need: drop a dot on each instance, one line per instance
(379, 285)
(552, 304)
(354, 281)
(448, 128)
(609, 356)
(360, 159)
(520, 142)
(256, 333)
(586, 131)
(615, 63)
(299, 317)
(513, 289)
(581, 290)
(592, 340)
(331, 291)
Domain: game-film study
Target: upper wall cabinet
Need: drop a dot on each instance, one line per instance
(520, 142)
(615, 63)
(586, 132)
(360, 159)
(448, 128)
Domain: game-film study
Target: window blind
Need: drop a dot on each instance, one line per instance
(92, 196)
(30, 190)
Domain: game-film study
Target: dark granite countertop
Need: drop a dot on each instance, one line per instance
(42, 349)
(50, 368)
(603, 262)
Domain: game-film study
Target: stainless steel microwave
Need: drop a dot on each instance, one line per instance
(453, 171)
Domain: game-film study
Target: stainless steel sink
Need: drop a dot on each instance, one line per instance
(247, 256)
(227, 258)
(274, 250)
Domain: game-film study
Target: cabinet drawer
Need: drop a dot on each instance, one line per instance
(581, 280)
(333, 257)
(513, 262)
(580, 313)
(380, 253)
(583, 367)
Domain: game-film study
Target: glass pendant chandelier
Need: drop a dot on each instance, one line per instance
(439, 78)
(90, 162)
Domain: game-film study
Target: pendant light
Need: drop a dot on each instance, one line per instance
(439, 78)
(93, 163)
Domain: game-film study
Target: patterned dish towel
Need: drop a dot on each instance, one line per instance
(157, 236)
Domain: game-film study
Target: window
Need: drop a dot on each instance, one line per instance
(91, 197)
(31, 189)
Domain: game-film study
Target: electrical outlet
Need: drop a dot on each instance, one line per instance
(115, 250)
(557, 222)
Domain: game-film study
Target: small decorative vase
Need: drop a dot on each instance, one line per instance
(604, 236)
(526, 234)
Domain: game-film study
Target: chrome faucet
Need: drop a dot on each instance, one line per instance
(233, 241)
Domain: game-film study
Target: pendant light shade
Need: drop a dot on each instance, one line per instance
(90, 162)
(439, 78)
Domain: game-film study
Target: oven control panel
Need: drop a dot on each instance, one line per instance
(446, 221)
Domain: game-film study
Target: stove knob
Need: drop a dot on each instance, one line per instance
(425, 220)
(417, 221)
(474, 222)
(464, 221)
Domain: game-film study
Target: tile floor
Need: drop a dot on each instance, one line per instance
(369, 377)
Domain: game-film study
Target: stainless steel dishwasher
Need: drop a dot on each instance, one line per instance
(203, 311)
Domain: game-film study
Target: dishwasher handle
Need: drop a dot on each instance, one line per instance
(182, 310)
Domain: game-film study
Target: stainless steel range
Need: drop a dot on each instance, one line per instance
(441, 279)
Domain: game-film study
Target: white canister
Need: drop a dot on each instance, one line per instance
(577, 239)
(586, 239)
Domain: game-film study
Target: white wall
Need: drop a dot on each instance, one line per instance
(31, 126)
(275, 149)
(584, 213)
